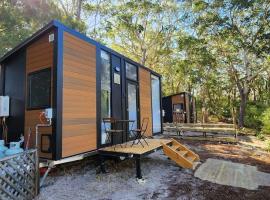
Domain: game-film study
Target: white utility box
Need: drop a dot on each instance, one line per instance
(4, 106)
(49, 113)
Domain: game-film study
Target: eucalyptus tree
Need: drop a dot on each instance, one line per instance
(143, 30)
(239, 32)
(20, 18)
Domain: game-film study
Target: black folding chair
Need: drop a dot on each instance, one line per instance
(110, 132)
(140, 133)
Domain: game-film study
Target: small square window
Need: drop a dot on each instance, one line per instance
(131, 71)
(39, 89)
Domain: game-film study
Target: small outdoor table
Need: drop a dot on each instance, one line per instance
(126, 122)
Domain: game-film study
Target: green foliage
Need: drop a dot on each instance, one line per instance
(214, 49)
(260, 136)
(254, 112)
(21, 18)
(265, 119)
(268, 146)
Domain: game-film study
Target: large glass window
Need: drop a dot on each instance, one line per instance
(105, 91)
(178, 107)
(131, 71)
(39, 89)
(155, 81)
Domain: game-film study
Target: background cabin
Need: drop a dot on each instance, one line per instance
(179, 108)
(83, 82)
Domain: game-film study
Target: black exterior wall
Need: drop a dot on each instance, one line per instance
(116, 93)
(57, 94)
(167, 107)
(13, 85)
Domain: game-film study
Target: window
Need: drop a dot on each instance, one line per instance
(39, 89)
(156, 113)
(131, 71)
(178, 107)
(105, 91)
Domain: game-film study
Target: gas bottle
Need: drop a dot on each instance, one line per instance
(2, 155)
(14, 148)
(2, 146)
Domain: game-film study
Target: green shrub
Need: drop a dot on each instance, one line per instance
(268, 146)
(260, 136)
(253, 115)
(265, 119)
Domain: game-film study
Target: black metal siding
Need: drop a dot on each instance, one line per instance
(167, 107)
(14, 86)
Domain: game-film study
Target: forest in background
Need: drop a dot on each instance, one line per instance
(218, 50)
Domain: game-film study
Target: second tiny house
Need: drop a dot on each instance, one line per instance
(83, 82)
(180, 107)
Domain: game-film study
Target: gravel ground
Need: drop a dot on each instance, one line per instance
(164, 179)
(120, 183)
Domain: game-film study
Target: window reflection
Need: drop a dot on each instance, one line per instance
(105, 91)
(155, 81)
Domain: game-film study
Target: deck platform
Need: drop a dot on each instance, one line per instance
(137, 151)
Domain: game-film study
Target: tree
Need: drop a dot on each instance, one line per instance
(20, 18)
(239, 32)
(143, 30)
(97, 14)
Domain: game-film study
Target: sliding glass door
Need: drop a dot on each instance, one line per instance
(156, 112)
(132, 96)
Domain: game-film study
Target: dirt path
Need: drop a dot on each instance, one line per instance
(165, 180)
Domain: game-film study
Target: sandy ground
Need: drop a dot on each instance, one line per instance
(164, 179)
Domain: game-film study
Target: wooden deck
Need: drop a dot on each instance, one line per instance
(136, 149)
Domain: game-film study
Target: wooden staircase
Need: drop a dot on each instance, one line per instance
(180, 154)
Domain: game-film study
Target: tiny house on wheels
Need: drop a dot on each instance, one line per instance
(180, 108)
(82, 82)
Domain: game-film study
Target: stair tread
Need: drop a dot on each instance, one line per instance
(183, 153)
(175, 147)
(191, 158)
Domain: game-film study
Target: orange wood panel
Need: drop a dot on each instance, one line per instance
(39, 55)
(79, 133)
(176, 99)
(145, 98)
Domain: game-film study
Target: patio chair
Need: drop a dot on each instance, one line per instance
(110, 132)
(140, 133)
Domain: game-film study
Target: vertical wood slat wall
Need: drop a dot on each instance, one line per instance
(145, 98)
(177, 99)
(79, 132)
(39, 55)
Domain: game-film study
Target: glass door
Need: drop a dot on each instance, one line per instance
(105, 94)
(132, 104)
(156, 113)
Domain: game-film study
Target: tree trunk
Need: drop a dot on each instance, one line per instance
(242, 111)
(79, 9)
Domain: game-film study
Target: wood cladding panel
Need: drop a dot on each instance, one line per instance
(79, 132)
(176, 99)
(39, 55)
(145, 98)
